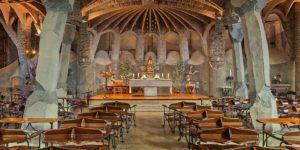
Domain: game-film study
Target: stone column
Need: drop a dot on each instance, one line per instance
(140, 48)
(297, 48)
(184, 47)
(43, 102)
(69, 36)
(217, 80)
(116, 53)
(162, 49)
(237, 36)
(257, 52)
(24, 36)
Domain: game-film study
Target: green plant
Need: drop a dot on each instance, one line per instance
(126, 70)
(178, 74)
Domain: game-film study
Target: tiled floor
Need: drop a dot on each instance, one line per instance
(150, 135)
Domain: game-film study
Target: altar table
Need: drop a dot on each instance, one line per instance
(150, 85)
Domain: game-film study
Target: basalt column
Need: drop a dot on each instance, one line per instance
(116, 54)
(184, 47)
(140, 48)
(43, 102)
(256, 47)
(297, 47)
(237, 36)
(24, 36)
(162, 49)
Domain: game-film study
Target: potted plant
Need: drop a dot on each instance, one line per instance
(125, 71)
(178, 76)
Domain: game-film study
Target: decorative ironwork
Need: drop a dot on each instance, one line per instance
(217, 49)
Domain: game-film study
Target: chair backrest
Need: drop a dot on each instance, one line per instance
(213, 114)
(268, 148)
(58, 135)
(90, 115)
(176, 105)
(186, 109)
(118, 82)
(88, 135)
(71, 123)
(12, 136)
(208, 123)
(291, 137)
(117, 110)
(189, 103)
(218, 135)
(197, 115)
(73, 134)
(202, 107)
(230, 122)
(60, 148)
(220, 147)
(118, 104)
(98, 108)
(243, 136)
(94, 123)
(112, 117)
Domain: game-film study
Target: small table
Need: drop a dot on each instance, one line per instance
(265, 121)
(114, 87)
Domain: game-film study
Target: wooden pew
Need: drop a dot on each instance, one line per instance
(213, 114)
(243, 136)
(218, 135)
(71, 123)
(91, 115)
(230, 122)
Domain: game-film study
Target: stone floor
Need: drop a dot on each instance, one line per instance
(150, 135)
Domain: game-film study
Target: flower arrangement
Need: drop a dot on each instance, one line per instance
(126, 70)
(178, 75)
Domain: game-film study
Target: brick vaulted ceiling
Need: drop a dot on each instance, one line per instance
(21, 10)
(152, 15)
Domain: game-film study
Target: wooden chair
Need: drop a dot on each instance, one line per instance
(213, 114)
(291, 138)
(230, 122)
(209, 123)
(95, 124)
(220, 147)
(202, 107)
(90, 115)
(243, 136)
(218, 135)
(268, 148)
(73, 134)
(13, 136)
(71, 123)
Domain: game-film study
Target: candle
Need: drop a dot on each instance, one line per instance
(168, 76)
(138, 75)
(230, 73)
(133, 75)
(162, 75)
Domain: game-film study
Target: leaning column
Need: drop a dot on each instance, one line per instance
(43, 102)
(257, 53)
(237, 36)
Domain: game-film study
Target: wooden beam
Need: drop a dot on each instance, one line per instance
(270, 6)
(164, 19)
(129, 19)
(157, 21)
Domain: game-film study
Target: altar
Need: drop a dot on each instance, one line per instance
(150, 85)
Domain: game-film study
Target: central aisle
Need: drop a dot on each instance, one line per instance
(149, 135)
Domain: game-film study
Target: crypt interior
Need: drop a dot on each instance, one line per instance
(150, 74)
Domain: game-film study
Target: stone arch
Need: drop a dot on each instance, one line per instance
(151, 39)
(127, 55)
(111, 36)
(102, 58)
(173, 57)
(172, 41)
(197, 58)
(152, 55)
(128, 40)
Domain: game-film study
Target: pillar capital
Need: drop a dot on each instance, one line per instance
(59, 5)
(244, 6)
(236, 32)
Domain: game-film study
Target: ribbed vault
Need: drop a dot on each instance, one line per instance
(20, 9)
(151, 15)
